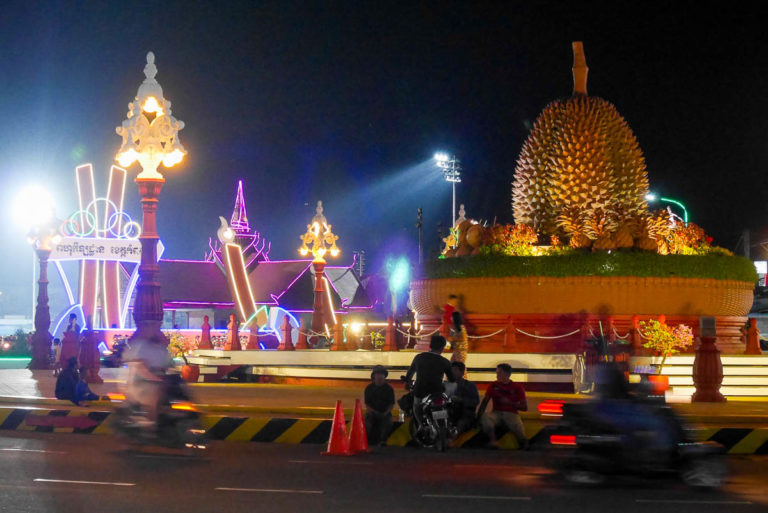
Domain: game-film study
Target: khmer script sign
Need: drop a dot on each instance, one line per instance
(87, 248)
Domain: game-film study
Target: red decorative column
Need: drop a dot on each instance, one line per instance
(338, 337)
(148, 307)
(205, 337)
(41, 340)
(286, 344)
(707, 372)
(322, 314)
(753, 338)
(301, 343)
(390, 342)
(90, 359)
(233, 336)
(634, 336)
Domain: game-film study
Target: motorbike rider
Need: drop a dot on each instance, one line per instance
(147, 361)
(429, 367)
(648, 432)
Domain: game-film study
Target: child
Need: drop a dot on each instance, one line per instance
(56, 356)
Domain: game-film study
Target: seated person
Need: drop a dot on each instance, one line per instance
(508, 399)
(83, 391)
(66, 382)
(379, 401)
(464, 399)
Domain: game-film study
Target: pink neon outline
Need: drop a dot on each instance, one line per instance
(188, 261)
(276, 298)
(211, 303)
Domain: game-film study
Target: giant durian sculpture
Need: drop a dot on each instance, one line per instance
(580, 156)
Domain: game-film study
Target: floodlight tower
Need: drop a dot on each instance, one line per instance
(451, 167)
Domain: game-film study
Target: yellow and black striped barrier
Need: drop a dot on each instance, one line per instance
(317, 431)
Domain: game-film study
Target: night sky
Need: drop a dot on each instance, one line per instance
(346, 102)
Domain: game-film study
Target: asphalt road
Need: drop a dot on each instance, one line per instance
(71, 473)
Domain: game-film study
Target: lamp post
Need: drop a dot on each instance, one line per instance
(320, 240)
(451, 167)
(151, 137)
(38, 213)
(653, 197)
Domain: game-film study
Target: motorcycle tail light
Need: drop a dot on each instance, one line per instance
(184, 406)
(562, 439)
(551, 408)
(438, 401)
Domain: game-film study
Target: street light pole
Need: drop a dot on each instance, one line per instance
(419, 225)
(41, 340)
(320, 240)
(151, 137)
(451, 167)
(652, 197)
(34, 206)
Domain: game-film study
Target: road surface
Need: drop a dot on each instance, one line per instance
(60, 472)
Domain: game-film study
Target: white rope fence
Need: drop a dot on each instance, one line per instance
(620, 337)
(547, 338)
(488, 335)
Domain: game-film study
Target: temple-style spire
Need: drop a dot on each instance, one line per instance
(239, 222)
(580, 69)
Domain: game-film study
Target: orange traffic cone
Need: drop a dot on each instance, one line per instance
(338, 445)
(358, 438)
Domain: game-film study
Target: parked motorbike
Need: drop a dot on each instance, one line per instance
(114, 358)
(430, 424)
(178, 422)
(589, 449)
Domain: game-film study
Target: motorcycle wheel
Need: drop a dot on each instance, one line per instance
(442, 437)
(583, 477)
(704, 472)
(575, 471)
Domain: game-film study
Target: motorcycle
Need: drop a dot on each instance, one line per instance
(589, 449)
(114, 358)
(178, 422)
(431, 427)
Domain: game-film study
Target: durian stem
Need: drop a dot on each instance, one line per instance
(580, 69)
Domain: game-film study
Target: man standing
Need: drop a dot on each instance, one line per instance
(464, 399)
(508, 399)
(379, 401)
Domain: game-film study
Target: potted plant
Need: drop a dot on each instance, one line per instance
(178, 347)
(666, 341)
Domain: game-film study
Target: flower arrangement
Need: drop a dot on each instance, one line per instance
(179, 346)
(665, 339)
(377, 340)
(510, 239)
(688, 240)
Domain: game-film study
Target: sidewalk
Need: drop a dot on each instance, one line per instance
(24, 388)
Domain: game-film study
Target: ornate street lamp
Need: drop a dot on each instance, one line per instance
(151, 137)
(320, 240)
(37, 207)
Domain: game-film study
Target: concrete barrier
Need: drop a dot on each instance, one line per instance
(737, 440)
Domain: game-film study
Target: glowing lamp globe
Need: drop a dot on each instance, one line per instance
(319, 239)
(150, 132)
(33, 207)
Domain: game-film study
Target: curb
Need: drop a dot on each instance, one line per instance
(317, 431)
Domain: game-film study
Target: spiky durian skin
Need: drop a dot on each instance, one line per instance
(580, 153)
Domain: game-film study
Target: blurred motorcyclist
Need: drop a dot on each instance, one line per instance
(429, 367)
(647, 430)
(147, 361)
